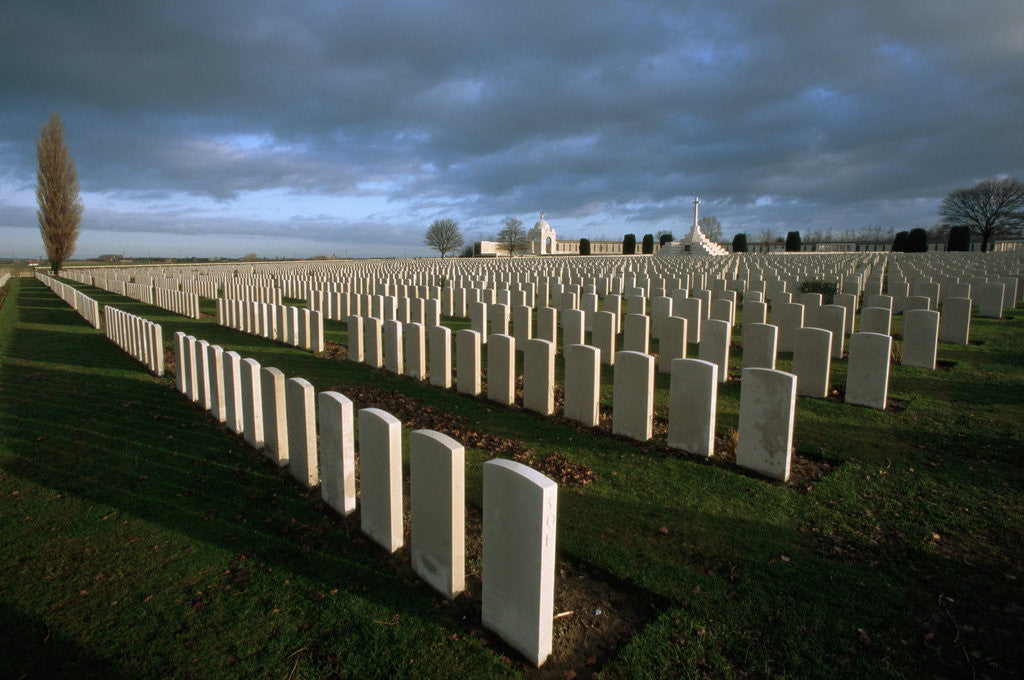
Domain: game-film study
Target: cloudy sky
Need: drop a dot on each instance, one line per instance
(305, 127)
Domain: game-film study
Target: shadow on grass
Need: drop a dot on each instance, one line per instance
(142, 449)
(139, 448)
(29, 649)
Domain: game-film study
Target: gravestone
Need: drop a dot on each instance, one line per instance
(467, 362)
(355, 338)
(672, 345)
(539, 376)
(252, 403)
(603, 336)
(437, 514)
(920, 338)
(233, 392)
(875, 320)
(714, 346)
(302, 458)
(636, 333)
(394, 357)
(501, 369)
(767, 414)
(955, 323)
(760, 345)
(275, 415)
(812, 361)
(415, 350)
(832, 318)
(582, 383)
(693, 402)
(439, 348)
(380, 481)
(867, 373)
(633, 395)
(519, 530)
(337, 451)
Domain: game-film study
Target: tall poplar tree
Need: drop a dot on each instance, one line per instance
(60, 210)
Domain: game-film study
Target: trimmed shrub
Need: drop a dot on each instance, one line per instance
(959, 239)
(826, 288)
(793, 242)
(629, 244)
(647, 247)
(917, 241)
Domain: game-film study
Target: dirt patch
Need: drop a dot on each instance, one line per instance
(894, 405)
(805, 471)
(896, 353)
(416, 415)
(334, 350)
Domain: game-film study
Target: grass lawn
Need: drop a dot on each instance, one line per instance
(140, 539)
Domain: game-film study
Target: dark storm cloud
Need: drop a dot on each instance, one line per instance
(853, 111)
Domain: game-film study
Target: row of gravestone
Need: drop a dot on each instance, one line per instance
(173, 300)
(314, 436)
(86, 307)
(745, 267)
(288, 325)
(693, 392)
(142, 339)
(136, 291)
(278, 415)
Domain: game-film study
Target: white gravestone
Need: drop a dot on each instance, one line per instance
(767, 414)
(437, 514)
(337, 451)
(380, 480)
(519, 529)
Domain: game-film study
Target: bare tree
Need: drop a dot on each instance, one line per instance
(444, 236)
(815, 236)
(765, 236)
(512, 236)
(990, 209)
(938, 232)
(60, 210)
(711, 227)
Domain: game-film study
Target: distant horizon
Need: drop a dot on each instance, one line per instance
(432, 254)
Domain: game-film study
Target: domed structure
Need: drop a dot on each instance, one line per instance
(542, 238)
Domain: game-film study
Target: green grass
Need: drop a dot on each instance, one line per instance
(905, 561)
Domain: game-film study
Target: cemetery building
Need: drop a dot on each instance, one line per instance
(543, 241)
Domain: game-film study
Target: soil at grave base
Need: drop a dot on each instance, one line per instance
(805, 470)
(594, 614)
(416, 415)
(334, 350)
